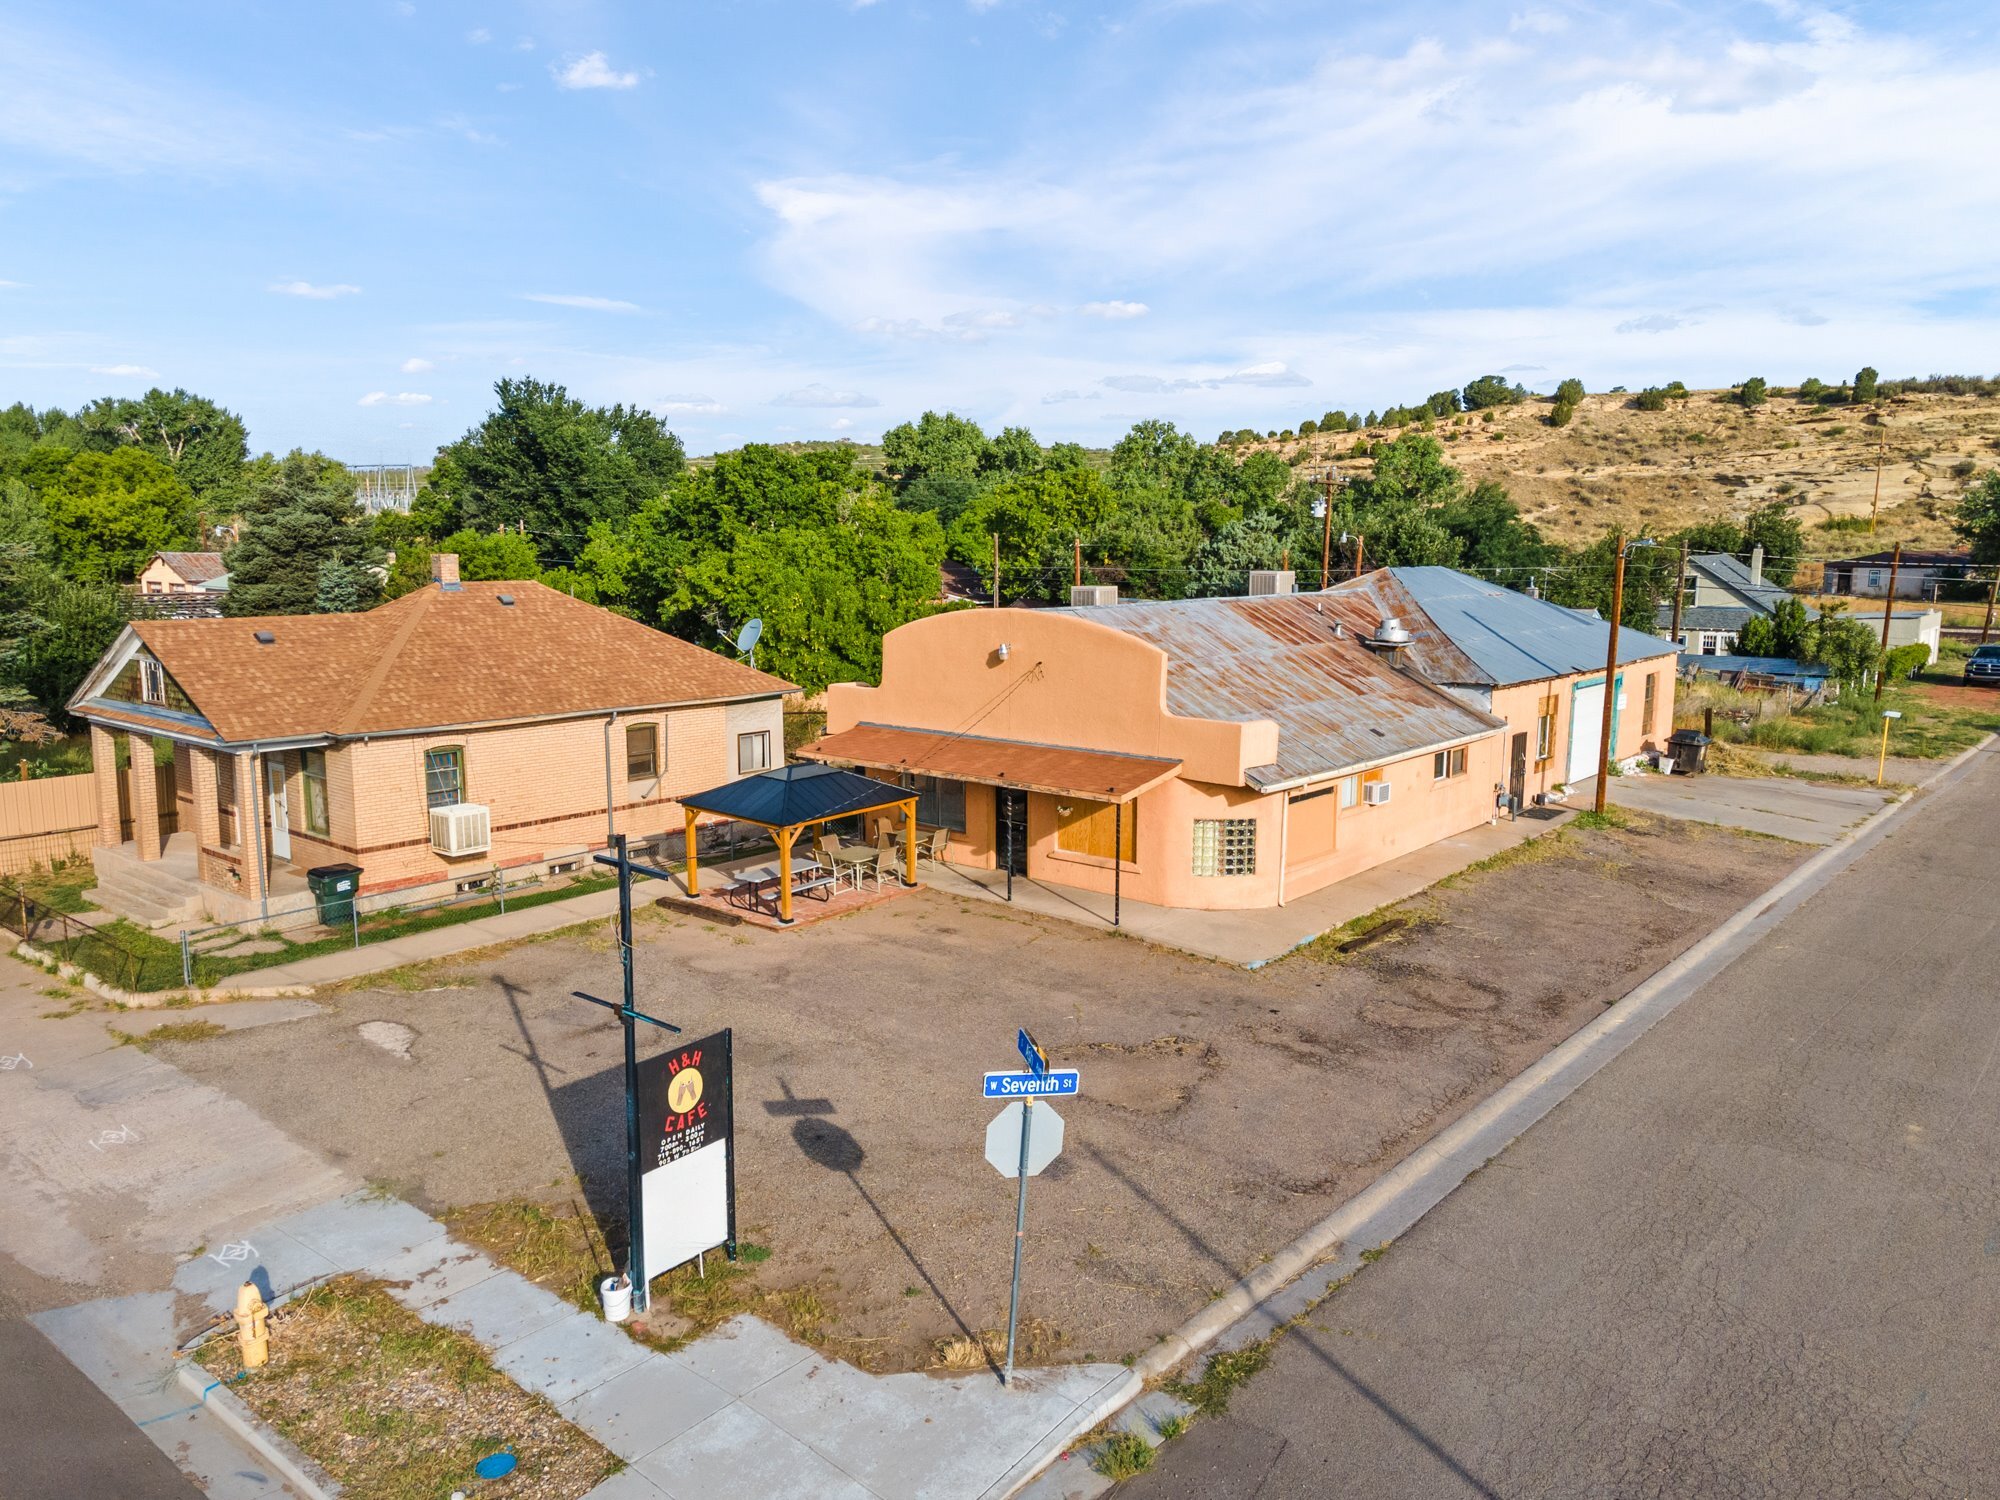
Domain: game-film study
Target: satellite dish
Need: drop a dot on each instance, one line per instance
(748, 636)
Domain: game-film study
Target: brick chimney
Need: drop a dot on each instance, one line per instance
(444, 570)
(1757, 563)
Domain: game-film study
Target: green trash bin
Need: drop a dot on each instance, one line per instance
(333, 888)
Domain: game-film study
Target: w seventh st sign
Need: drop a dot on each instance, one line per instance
(1052, 1084)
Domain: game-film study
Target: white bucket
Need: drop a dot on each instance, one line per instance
(616, 1293)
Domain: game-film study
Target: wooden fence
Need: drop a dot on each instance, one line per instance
(53, 819)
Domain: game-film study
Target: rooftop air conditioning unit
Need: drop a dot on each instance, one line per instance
(1090, 595)
(463, 828)
(1375, 793)
(1271, 581)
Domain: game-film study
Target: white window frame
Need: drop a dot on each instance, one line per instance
(761, 739)
(152, 681)
(1350, 792)
(1446, 764)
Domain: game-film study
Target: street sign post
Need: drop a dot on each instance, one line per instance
(1054, 1084)
(1021, 1141)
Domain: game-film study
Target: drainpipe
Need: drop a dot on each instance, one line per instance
(259, 809)
(1285, 833)
(610, 820)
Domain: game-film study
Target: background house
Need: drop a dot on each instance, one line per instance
(1718, 594)
(1213, 753)
(1907, 627)
(184, 573)
(428, 740)
(1918, 576)
(1536, 665)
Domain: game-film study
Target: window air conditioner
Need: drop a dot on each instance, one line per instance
(1375, 793)
(1093, 595)
(463, 828)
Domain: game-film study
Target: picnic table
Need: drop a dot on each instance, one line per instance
(758, 883)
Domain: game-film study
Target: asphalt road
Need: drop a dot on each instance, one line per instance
(1758, 1255)
(65, 1440)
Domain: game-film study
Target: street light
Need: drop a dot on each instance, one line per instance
(1611, 665)
(1882, 761)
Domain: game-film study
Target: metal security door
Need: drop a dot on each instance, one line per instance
(1517, 771)
(1011, 824)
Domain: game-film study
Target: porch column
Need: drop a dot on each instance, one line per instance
(693, 878)
(207, 806)
(250, 818)
(145, 795)
(909, 843)
(104, 772)
(785, 837)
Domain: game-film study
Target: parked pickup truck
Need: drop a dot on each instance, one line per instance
(1983, 666)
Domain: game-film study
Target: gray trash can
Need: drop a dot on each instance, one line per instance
(1690, 751)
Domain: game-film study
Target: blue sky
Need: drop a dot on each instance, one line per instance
(772, 221)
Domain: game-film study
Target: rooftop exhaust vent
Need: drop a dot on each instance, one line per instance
(507, 599)
(265, 638)
(1392, 632)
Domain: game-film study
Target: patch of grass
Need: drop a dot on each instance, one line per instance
(1222, 1376)
(1611, 817)
(60, 887)
(1369, 1257)
(173, 1031)
(395, 1408)
(1174, 1426)
(562, 1252)
(1538, 850)
(1122, 1455)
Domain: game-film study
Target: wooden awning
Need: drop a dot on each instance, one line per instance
(1063, 771)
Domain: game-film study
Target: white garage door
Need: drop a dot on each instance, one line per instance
(1586, 732)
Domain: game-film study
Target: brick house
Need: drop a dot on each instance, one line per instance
(456, 729)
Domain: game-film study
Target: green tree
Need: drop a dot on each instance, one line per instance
(1037, 518)
(1014, 451)
(1652, 398)
(1866, 380)
(1978, 519)
(935, 444)
(1843, 644)
(343, 588)
(109, 512)
(1812, 388)
(300, 517)
(1561, 412)
(204, 444)
(1222, 564)
(1489, 390)
(1154, 452)
(1776, 529)
(544, 458)
(1570, 391)
(1758, 637)
(482, 556)
(1751, 392)
(1492, 537)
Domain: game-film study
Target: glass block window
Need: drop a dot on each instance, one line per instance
(444, 776)
(1225, 846)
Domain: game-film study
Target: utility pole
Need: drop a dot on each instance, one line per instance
(1888, 612)
(1078, 580)
(1326, 543)
(1680, 592)
(996, 570)
(1611, 665)
(1360, 542)
(1881, 450)
(1992, 591)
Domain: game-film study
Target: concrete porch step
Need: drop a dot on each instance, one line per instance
(153, 893)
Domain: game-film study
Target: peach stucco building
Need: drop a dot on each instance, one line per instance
(1237, 753)
(429, 741)
(1209, 753)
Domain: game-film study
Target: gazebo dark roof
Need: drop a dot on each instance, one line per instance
(787, 796)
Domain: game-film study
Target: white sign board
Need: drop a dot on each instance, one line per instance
(1003, 1139)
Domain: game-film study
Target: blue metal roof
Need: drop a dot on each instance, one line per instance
(1497, 636)
(1763, 666)
(789, 795)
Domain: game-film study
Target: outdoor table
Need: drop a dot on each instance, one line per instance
(757, 877)
(853, 859)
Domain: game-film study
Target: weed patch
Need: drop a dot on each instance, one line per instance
(173, 1031)
(1222, 1376)
(1122, 1455)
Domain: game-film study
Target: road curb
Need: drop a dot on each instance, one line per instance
(311, 1481)
(1280, 1289)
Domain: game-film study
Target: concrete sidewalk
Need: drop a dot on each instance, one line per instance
(1251, 939)
(1807, 812)
(742, 1414)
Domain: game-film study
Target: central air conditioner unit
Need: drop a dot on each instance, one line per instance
(1266, 581)
(1375, 793)
(1092, 595)
(463, 828)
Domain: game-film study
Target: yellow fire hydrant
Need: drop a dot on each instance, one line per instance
(253, 1326)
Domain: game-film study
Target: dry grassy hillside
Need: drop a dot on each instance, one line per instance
(1708, 458)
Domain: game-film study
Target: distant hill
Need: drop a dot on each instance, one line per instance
(1708, 458)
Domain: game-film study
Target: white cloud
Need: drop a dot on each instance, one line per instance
(592, 71)
(314, 292)
(1273, 373)
(415, 366)
(817, 394)
(840, 424)
(1650, 323)
(1114, 310)
(479, 36)
(134, 372)
(571, 299)
(704, 405)
(10, 286)
(401, 398)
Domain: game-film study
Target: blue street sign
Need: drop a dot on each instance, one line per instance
(1032, 1053)
(1053, 1084)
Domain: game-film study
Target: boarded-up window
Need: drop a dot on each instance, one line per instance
(1545, 730)
(1311, 834)
(1084, 827)
(225, 799)
(1652, 703)
(312, 777)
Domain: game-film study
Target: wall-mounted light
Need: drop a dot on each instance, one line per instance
(1003, 651)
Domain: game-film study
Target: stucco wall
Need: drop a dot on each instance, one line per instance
(1520, 705)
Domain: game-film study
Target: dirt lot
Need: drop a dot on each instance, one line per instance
(1222, 1111)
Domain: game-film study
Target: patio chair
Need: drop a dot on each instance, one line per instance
(933, 845)
(888, 853)
(848, 862)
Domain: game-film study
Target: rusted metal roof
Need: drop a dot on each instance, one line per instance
(1338, 704)
(1093, 774)
(1471, 633)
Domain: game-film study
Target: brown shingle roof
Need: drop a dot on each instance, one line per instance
(195, 567)
(434, 659)
(1096, 774)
